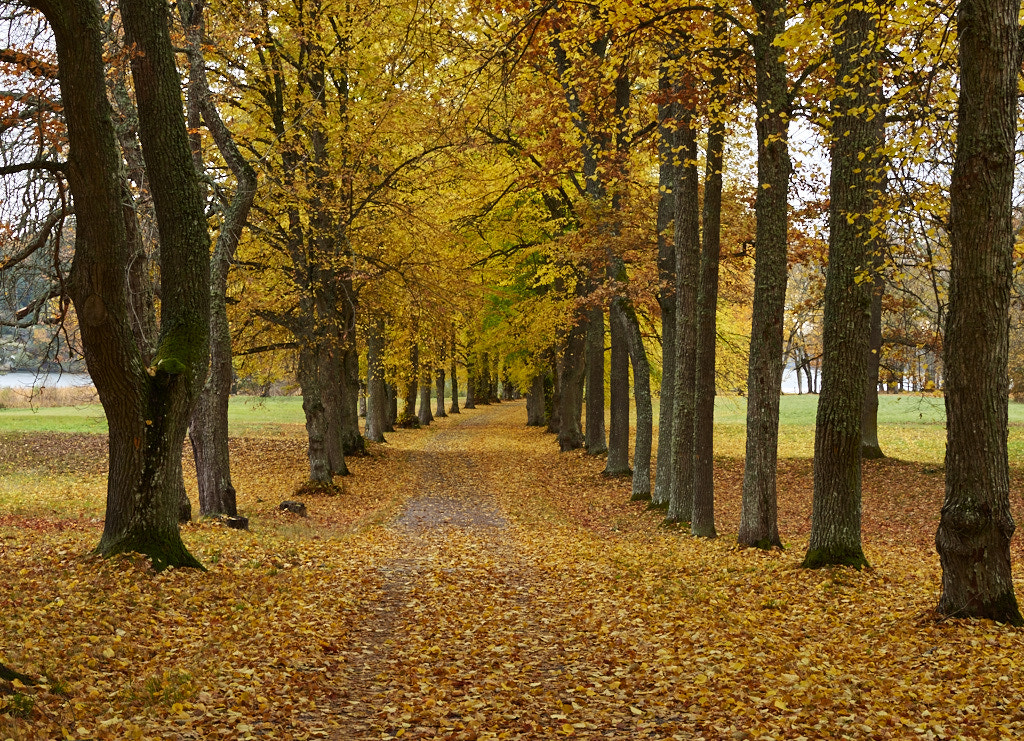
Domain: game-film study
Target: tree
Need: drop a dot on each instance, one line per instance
(973, 538)
(147, 408)
(759, 512)
(855, 186)
(208, 431)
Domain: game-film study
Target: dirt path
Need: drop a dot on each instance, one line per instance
(470, 637)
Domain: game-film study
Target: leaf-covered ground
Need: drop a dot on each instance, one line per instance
(473, 583)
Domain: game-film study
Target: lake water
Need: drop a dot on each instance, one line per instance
(28, 379)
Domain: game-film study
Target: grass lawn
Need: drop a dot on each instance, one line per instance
(910, 427)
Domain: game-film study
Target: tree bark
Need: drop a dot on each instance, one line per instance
(571, 367)
(535, 402)
(703, 524)
(687, 249)
(594, 430)
(377, 403)
(425, 416)
(471, 379)
(630, 327)
(455, 377)
(439, 387)
(316, 416)
(208, 431)
(147, 408)
(667, 174)
(617, 463)
(869, 445)
(409, 418)
(854, 187)
(973, 538)
(759, 511)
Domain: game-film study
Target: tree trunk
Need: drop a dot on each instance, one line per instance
(595, 433)
(455, 378)
(759, 511)
(630, 327)
(617, 463)
(147, 408)
(667, 141)
(391, 418)
(976, 525)
(703, 524)
(377, 403)
(208, 431)
(332, 393)
(869, 445)
(439, 387)
(351, 440)
(552, 397)
(571, 373)
(409, 418)
(425, 416)
(471, 379)
(687, 249)
(316, 416)
(854, 188)
(535, 402)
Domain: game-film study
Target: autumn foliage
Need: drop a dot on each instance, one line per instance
(472, 583)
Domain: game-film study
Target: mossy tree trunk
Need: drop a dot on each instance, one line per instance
(208, 430)
(147, 409)
(759, 510)
(976, 525)
(855, 187)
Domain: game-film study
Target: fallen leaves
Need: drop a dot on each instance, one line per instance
(520, 597)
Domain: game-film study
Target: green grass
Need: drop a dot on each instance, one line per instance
(910, 427)
(247, 416)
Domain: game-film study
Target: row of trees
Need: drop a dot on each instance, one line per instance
(444, 186)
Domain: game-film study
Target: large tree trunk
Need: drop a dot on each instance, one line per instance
(377, 403)
(687, 249)
(208, 431)
(595, 432)
(667, 141)
(703, 524)
(617, 463)
(976, 526)
(147, 408)
(854, 188)
(571, 373)
(759, 511)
